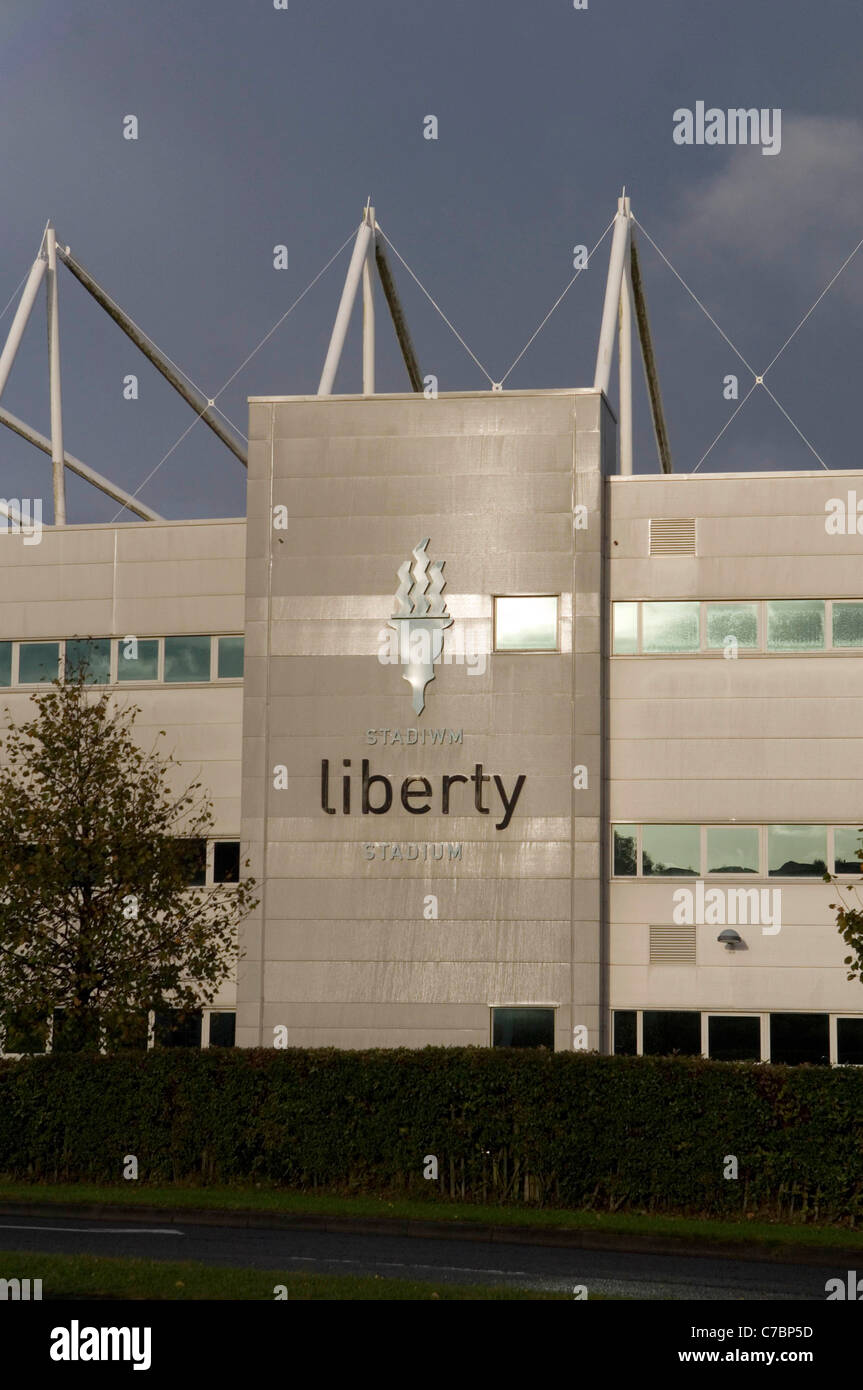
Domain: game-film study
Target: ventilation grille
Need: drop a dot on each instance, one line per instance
(672, 945)
(672, 536)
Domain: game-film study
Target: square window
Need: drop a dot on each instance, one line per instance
(848, 624)
(727, 620)
(849, 1042)
(625, 620)
(130, 1034)
(798, 851)
(523, 1028)
(5, 663)
(671, 849)
(797, 1038)
(222, 1029)
(25, 1032)
(38, 662)
(226, 861)
(138, 659)
(625, 849)
(671, 1030)
(75, 1032)
(230, 661)
(625, 1033)
(731, 1039)
(526, 624)
(732, 849)
(176, 1029)
(847, 840)
(187, 659)
(795, 625)
(92, 654)
(670, 627)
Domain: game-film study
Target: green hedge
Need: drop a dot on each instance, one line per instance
(572, 1129)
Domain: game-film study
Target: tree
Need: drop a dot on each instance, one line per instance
(97, 918)
(849, 920)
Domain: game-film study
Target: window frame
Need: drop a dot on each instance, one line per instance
(527, 651)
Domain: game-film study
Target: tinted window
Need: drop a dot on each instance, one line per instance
(625, 641)
(734, 1039)
(25, 1032)
(799, 850)
(187, 658)
(847, 840)
(38, 662)
(671, 849)
(732, 849)
(226, 861)
(795, 624)
(174, 1029)
(667, 1031)
(222, 1029)
(138, 659)
(75, 1032)
(525, 624)
(523, 1028)
(194, 857)
(94, 654)
(848, 624)
(625, 1033)
(737, 620)
(127, 1035)
(849, 1041)
(230, 658)
(670, 627)
(5, 663)
(625, 849)
(796, 1038)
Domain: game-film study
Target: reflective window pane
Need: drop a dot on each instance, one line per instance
(625, 1035)
(230, 658)
(737, 620)
(799, 850)
(525, 624)
(732, 849)
(226, 861)
(848, 624)
(732, 1039)
(795, 625)
(175, 1029)
(625, 616)
(671, 1030)
(92, 654)
(38, 662)
(796, 1038)
(523, 1028)
(222, 1029)
(670, 627)
(187, 658)
(138, 659)
(849, 1042)
(5, 663)
(671, 849)
(193, 858)
(847, 839)
(625, 849)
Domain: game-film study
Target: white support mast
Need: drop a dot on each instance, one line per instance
(362, 245)
(57, 454)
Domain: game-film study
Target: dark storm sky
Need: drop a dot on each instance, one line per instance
(260, 126)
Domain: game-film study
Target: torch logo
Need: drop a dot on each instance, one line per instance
(420, 619)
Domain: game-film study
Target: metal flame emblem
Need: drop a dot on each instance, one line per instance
(420, 618)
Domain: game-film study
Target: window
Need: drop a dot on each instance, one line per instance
(38, 662)
(848, 624)
(5, 663)
(625, 1033)
(796, 1038)
(796, 850)
(731, 1039)
(25, 1032)
(226, 861)
(187, 659)
(523, 1027)
(525, 624)
(795, 625)
(670, 627)
(625, 849)
(222, 1029)
(75, 1032)
(130, 1034)
(176, 1029)
(732, 849)
(849, 1042)
(671, 849)
(847, 840)
(737, 620)
(670, 1030)
(138, 659)
(194, 862)
(230, 662)
(94, 655)
(625, 621)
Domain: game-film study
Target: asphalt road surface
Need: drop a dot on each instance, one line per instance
(638, 1276)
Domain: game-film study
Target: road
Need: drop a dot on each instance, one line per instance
(638, 1276)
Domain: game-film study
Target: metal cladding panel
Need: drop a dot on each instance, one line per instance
(421, 862)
